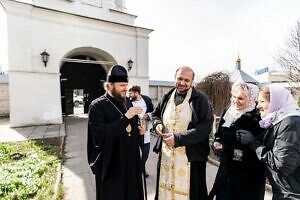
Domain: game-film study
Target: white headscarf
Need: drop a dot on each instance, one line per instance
(232, 114)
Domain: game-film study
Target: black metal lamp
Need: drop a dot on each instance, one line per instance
(130, 64)
(45, 57)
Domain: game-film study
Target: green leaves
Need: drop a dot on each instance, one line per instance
(27, 170)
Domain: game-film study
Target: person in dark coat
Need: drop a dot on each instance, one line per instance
(184, 120)
(113, 141)
(145, 103)
(240, 175)
(280, 149)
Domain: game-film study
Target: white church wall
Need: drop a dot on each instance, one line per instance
(31, 30)
(142, 54)
(19, 38)
(3, 40)
(60, 34)
(34, 99)
(139, 74)
(108, 10)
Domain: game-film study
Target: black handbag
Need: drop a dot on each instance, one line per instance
(158, 145)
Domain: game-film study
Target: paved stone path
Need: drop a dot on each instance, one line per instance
(78, 179)
(8, 134)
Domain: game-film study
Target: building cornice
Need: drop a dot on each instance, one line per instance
(86, 17)
(32, 72)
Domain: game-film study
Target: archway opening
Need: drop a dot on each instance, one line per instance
(81, 83)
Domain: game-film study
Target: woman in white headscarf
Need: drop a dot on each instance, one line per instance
(280, 149)
(240, 174)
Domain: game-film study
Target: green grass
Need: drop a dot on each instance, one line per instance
(28, 169)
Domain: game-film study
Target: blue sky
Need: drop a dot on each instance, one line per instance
(208, 34)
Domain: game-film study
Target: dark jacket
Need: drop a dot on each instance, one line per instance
(148, 103)
(280, 152)
(196, 138)
(150, 108)
(240, 174)
(226, 135)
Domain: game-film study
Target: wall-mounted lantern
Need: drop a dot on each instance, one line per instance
(129, 64)
(45, 57)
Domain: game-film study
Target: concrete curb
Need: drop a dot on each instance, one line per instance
(59, 169)
(57, 181)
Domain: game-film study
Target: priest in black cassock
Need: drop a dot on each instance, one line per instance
(113, 141)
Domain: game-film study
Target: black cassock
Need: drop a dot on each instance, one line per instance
(113, 151)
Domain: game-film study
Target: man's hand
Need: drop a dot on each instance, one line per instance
(146, 117)
(132, 111)
(169, 139)
(159, 129)
(142, 129)
(218, 146)
(244, 137)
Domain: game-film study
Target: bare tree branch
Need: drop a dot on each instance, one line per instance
(217, 87)
(289, 57)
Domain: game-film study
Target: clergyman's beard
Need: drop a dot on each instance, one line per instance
(117, 95)
(182, 92)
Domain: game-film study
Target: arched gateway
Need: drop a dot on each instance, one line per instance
(83, 40)
(83, 69)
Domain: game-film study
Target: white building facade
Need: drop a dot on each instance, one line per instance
(84, 38)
